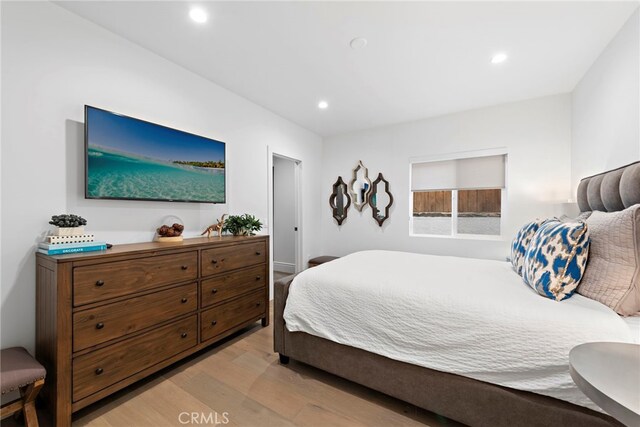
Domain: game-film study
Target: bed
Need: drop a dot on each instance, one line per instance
(457, 344)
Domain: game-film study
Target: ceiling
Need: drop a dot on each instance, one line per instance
(423, 59)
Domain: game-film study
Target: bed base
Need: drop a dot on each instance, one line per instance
(465, 400)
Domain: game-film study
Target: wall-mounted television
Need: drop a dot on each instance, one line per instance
(132, 159)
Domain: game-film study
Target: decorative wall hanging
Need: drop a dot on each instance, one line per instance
(360, 186)
(380, 201)
(339, 200)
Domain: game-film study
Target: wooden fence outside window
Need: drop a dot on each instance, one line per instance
(470, 203)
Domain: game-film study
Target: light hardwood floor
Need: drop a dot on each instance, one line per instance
(243, 378)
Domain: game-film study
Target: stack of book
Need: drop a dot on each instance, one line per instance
(60, 245)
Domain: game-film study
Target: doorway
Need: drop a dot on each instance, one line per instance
(286, 216)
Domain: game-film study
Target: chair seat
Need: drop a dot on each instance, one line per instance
(18, 369)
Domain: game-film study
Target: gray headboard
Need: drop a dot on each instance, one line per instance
(610, 191)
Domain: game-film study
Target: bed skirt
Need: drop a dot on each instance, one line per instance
(459, 398)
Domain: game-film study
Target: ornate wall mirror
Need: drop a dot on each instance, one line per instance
(380, 199)
(360, 186)
(339, 200)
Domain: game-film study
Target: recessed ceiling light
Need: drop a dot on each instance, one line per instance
(323, 105)
(498, 58)
(198, 15)
(358, 43)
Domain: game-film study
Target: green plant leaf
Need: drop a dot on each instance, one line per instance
(242, 225)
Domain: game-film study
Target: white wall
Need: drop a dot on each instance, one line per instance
(606, 107)
(284, 215)
(53, 63)
(1, 169)
(536, 134)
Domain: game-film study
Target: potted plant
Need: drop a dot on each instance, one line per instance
(242, 225)
(68, 224)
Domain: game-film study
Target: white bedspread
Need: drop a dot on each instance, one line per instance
(466, 316)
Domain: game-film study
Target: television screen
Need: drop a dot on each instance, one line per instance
(131, 159)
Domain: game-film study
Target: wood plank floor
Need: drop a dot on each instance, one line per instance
(242, 381)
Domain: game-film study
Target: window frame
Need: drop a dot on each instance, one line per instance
(502, 151)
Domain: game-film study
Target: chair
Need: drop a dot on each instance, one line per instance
(20, 371)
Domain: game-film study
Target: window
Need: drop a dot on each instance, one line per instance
(432, 212)
(458, 197)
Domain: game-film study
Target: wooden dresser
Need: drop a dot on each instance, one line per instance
(107, 319)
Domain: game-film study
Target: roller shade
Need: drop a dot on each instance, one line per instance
(460, 174)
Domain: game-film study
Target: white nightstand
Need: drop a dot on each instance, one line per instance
(609, 374)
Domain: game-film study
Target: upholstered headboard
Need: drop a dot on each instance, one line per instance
(610, 191)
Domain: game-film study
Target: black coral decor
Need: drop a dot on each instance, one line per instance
(67, 221)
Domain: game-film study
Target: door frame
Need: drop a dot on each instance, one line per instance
(297, 203)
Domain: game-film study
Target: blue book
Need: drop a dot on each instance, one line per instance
(49, 246)
(73, 250)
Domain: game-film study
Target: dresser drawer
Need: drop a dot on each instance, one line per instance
(100, 282)
(94, 371)
(226, 316)
(101, 324)
(220, 260)
(229, 285)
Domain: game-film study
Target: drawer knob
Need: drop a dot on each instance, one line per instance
(100, 283)
(258, 304)
(99, 325)
(214, 261)
(184, 300)
(258, 253)
(184, 267)
(214, 290)
(258, 277)
(214, 322)
(184, 335)
(99, 371)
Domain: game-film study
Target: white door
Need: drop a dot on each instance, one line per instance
(285, 215)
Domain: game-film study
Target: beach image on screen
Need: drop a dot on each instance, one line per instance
(133, 159)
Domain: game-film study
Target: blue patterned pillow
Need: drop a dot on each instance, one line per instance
(556, 258)
(521, 243)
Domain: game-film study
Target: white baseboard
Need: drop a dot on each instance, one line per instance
(285, 267)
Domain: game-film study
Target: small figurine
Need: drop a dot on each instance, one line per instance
(215, 227)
